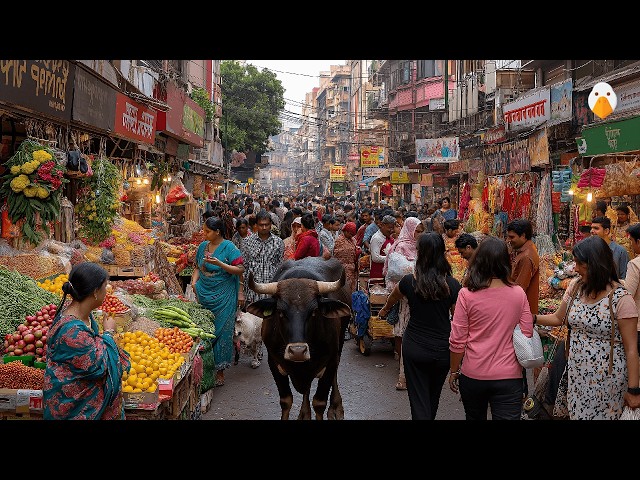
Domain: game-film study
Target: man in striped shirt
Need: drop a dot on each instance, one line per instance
(262, 254)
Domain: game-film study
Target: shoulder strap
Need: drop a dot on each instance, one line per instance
(613, 326)
(574, 294)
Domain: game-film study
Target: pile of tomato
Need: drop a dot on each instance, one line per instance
(112, 304)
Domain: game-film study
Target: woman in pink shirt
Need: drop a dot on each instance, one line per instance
(484, 367)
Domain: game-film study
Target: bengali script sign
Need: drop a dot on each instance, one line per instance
(437, 150)
(528, 111)
(494, 135)
(337, 172)
(94, 101)
(44, 86)
(135, 120)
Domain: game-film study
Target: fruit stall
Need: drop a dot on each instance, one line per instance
(168, 340)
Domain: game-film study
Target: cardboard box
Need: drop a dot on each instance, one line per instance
(165, 388)
(29, 401)
(155, 414)
(8, 400)
(141, 400)
(180, 398)
(112, 270)
(21, 416)
(20, 401)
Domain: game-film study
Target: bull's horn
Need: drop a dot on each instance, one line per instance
(328, 287)
(268, 288)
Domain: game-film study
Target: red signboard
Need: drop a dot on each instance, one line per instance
(135, 120)
(185, 119)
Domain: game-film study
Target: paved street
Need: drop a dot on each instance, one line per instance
(367, 384)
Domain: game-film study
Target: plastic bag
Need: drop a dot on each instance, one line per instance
(189, 294)
(397, 267)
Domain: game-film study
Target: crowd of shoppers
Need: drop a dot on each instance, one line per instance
(451, 321)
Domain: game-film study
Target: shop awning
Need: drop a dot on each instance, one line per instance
(367, 180)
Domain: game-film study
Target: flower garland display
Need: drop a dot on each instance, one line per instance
(98, 202)
(32, 187)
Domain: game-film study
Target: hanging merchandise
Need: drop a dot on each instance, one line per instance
(32, 187)
(98, 201)
(621, 179)
(177, 194)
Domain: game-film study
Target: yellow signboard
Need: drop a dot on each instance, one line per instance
(399, 177)
(370, 156)
(337, 172)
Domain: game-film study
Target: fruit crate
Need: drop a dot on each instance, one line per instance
(25, 359)
(180, 398)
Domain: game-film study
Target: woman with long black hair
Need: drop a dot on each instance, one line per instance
(83, 376)
(602, 372)
(431, 293)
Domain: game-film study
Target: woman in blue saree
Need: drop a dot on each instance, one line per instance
(83, 376)
(216, 283)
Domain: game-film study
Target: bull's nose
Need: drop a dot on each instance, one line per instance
(297, 352)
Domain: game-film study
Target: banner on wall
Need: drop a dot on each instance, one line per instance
(560, 95)
(539, 148)
(506, 157)
(437, 150)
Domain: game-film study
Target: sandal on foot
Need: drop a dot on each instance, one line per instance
(401, 386)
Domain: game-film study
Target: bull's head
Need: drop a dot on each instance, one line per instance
(297, 309)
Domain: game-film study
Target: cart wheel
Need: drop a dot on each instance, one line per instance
(364, 345)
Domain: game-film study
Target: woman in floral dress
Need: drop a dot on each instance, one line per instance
(597, 387)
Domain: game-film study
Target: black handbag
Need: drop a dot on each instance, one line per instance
(394, 314)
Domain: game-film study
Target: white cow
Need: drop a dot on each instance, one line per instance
(248, 337)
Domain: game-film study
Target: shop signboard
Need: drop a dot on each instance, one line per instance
(528, 111)
(539, 148)
(134, 120)
(337, 173)
(184, 120)
(437, 150)
(494, 135)
(426, 180)
(613, 137)
(337, 188)
(371, 156)
(399, 176)
(43, 86)
(461, 166)
(94, 101)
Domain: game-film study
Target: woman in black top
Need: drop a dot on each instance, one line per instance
(432, 293)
